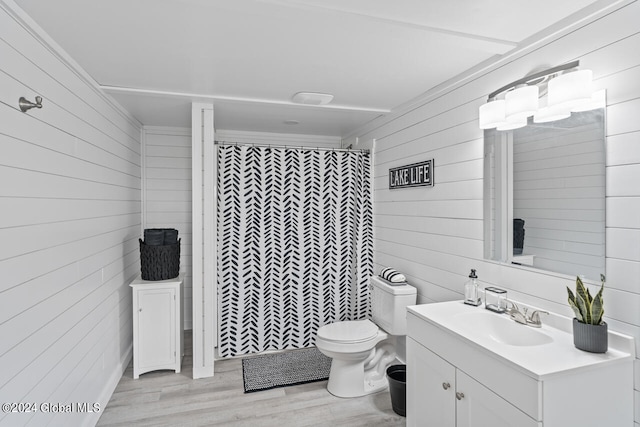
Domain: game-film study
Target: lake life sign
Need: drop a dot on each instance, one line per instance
(413, 175)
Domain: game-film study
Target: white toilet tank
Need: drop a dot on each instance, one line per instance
(389, 305)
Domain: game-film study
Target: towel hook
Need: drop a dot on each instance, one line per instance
(26, 105)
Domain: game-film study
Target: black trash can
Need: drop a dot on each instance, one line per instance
(397, 376)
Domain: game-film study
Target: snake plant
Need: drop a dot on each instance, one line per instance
(587, 309)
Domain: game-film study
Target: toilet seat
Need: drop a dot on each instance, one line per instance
(353, 331)
(352, 345)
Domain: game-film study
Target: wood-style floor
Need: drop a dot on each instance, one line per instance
(164, 398)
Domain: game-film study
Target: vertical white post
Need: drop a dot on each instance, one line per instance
(210, 230)
(202, 141)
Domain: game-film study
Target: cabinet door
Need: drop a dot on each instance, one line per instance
(156, 327)
(430, 388)
(477, 406)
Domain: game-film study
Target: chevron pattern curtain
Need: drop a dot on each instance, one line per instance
(295, 244)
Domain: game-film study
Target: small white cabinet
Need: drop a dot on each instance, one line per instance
(157, 325)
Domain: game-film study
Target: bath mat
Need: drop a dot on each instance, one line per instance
(291, 367)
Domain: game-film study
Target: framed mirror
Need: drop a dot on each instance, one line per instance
(544, 195)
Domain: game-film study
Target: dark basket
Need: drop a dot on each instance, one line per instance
(518, 236)
(160, 262)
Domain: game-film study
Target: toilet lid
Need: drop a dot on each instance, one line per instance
(351, 331)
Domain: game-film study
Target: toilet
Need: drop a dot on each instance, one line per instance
(361, 349)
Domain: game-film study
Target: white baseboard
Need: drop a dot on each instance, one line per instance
(109, 387)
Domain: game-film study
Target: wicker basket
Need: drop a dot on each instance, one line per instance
(160, 262)
(518, 236)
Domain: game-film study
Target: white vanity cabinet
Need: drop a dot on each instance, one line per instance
(459, 375)
(438, 394)
(157, 325)
(431, 388)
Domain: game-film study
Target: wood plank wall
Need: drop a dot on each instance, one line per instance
(167, 193)
(435, 235)
(70, 207)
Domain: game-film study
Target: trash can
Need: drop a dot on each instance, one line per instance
(397, 376)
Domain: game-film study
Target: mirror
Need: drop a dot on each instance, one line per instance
(544, 195)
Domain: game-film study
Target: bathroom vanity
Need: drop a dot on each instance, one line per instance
(467, 366)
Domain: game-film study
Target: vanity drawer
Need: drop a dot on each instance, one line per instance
(495, 373)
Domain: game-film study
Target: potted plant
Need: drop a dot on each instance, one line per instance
(589, 331)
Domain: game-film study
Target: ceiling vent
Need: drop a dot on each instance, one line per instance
(312, 98)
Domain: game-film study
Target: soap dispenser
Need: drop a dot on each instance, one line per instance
(471, 290)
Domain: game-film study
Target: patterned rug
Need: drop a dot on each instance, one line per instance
(292, 367)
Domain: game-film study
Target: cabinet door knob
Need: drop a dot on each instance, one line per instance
(459, 395)
(140, 310)
(446, 386)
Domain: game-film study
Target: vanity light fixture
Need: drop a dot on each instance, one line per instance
(547, 95)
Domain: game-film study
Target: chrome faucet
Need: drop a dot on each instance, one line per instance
(515, 314)
(532, 320)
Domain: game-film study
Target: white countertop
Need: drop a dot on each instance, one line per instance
(538, 361)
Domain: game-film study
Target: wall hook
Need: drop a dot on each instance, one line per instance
(27, 105)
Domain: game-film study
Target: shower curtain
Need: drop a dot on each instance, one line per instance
(295, 244)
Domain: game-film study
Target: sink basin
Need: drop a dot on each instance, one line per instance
(501, 329)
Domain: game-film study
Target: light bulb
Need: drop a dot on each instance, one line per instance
(521, 103)
(512, 124)
(550, 114)
(571, 89)
(491, 114)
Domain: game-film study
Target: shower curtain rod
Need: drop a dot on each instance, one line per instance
(300, 147)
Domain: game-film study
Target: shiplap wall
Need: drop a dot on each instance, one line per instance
(435, 235)
(558, 189)
(167, 193)
(70, 207)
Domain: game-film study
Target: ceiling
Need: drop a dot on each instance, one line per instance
(249, 57)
